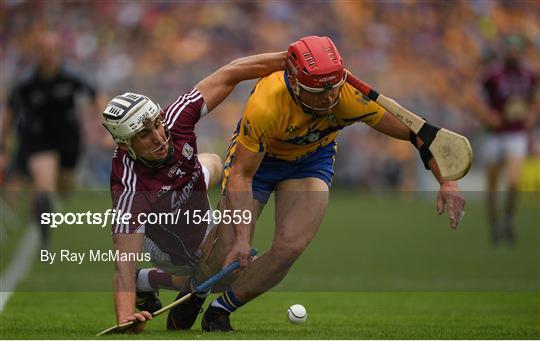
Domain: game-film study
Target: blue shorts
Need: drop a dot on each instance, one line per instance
(319, 164)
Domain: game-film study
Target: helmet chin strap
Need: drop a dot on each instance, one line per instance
(160, 162)
(312, 111)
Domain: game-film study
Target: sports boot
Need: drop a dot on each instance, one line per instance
(183, 316)
(216, 320)
(148, 301)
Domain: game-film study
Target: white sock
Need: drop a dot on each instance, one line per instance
(143, 282)
(216, 304)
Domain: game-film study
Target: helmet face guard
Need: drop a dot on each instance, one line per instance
(299, 87)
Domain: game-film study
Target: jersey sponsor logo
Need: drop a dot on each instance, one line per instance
(163, 190)
(515, 109)
(176, 171)
(180, 197)
(291, 129)
(361, 98)
(187, 151)
(313, 136)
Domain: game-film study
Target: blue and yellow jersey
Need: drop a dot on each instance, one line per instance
(275, 124)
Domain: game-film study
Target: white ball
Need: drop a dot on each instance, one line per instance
(297, 314)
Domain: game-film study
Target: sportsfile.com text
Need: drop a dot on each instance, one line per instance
(114, 216)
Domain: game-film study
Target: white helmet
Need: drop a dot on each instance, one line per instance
(126, 115)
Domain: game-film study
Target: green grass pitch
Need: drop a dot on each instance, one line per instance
(383, 266)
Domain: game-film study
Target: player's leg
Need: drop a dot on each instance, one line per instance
(69, 155)
(148, 283)
(217, 245)
(43, 167)
(184, 315)
(214, 165)
(494, 166)
(166, 275)
(66, 181)
(294, 231)
(516, 148)
(220, 240)
(513, 170)
(492, 179)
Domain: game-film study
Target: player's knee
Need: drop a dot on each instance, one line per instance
(286, 253)
(213, 163)
(210, 161)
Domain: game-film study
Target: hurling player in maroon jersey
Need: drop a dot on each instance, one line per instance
(156, 169)
(510, 89)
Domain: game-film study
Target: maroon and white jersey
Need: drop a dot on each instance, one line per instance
(176, 187)
(510, 93)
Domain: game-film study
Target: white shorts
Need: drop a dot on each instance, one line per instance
(206, 173)
(502, 146)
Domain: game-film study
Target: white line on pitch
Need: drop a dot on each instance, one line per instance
(19, 266)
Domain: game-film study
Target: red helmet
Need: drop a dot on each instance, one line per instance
(315, 63)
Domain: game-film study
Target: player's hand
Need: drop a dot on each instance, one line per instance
(141, 317)
(450, 198)
(241, 251)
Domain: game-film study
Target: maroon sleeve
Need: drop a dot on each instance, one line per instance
(185, 111)
(126, 195)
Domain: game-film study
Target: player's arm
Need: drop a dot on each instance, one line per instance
(240, 197)
(216, 87)
(124, 281)
(449, 195)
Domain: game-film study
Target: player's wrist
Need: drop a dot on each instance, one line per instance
(123, 316)
(449, 185)
(242, 239)
(423, 150)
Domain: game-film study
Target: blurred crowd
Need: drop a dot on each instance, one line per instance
(428, 55)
